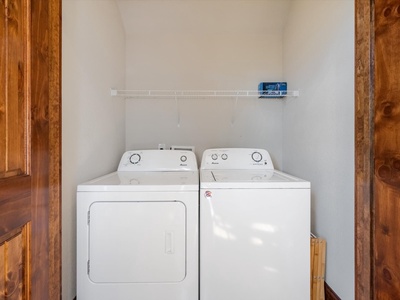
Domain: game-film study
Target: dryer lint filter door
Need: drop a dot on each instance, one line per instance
(141, 242)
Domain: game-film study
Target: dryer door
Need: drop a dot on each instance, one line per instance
(137, 242)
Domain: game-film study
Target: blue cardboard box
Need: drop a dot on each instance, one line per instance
(272, 89)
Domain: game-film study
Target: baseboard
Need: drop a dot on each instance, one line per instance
(330, 294)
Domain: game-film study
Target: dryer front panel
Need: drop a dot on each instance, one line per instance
(137, 242)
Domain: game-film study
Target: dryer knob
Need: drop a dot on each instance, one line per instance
(256, 156)
(135, 158)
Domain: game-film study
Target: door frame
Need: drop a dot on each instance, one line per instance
(364, 114)
(364, 159)
(53, 26)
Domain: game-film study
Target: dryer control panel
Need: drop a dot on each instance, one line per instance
(236, 159)
(158, 160)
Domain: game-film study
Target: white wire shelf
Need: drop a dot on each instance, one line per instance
(173, 94)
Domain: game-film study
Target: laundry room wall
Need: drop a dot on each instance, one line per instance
(318, 134)
(93, 46)
(204, 45)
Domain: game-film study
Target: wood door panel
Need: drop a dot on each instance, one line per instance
(14, 268)
(14, 265)
(3, 90)
(387, 239)
(14, 84)
(17, 213)
(17, 106)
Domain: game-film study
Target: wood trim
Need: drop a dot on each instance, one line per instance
(55, 149)
(330, 294)
(364, 33)
(40, 152)
(46, 138)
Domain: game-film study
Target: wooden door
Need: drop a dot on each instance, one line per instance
(377, 149)
(386, 180)
(30, 149)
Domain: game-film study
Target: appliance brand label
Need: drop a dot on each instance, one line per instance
(208, 195)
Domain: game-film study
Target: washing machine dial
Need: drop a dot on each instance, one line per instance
(224, 156)
(214, 156)
(256, 156)
(183, 158)
(135, 158)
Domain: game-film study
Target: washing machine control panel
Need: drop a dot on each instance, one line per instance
(158, 160)
(236, 158)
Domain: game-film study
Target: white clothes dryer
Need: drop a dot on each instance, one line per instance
(254, 228)
(137, 229)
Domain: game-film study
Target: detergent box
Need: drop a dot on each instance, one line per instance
(272, 89)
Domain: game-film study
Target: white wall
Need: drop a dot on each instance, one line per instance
(204, 45)
(93, 123)
(318, 135)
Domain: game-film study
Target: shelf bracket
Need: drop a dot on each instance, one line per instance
(113, 92)
(178, 111)
(234, 110)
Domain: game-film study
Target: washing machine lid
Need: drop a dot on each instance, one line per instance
(143, 182)
(250, 179)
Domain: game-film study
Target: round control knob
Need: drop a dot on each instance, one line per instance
(214, 156)
(224, 156)
(183, 158)
(135, 158)
(256, 156)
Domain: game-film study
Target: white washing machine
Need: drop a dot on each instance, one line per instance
(137, 229)
(254, 228)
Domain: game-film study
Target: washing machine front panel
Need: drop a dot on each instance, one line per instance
(254, 244)
(254, 228)
(132, 242)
